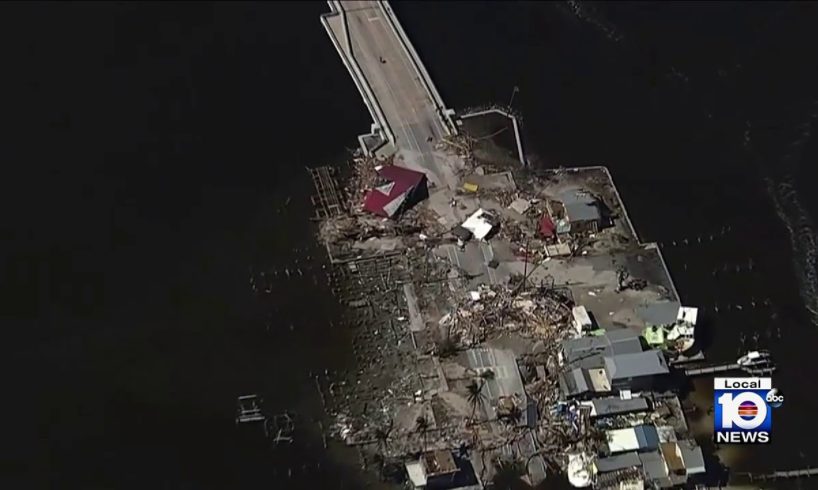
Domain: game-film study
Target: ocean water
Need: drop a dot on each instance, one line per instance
(155, 155)
(155, 158)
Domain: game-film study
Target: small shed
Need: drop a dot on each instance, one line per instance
(400, 189)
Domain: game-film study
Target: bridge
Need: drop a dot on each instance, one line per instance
(408, 114)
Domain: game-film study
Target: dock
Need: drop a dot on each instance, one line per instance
(780, 475)
(326, 201)
(704, 371)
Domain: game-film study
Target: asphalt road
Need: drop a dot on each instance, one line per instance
(406, 105)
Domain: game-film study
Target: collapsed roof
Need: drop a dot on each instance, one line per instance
(390, 198)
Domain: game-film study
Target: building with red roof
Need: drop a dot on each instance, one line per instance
(400, 189)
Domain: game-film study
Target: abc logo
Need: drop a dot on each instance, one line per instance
(746, 410)
(774, 398)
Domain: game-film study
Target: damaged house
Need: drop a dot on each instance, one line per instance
(608, 363)
(580, 212)
(400, 189)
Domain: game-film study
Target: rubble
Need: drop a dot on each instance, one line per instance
(467, 292)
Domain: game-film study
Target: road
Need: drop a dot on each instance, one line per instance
(406, 105)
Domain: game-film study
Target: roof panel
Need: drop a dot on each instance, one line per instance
(654, 465)
(618, 462)
(602, 407)
(402, 176)
(614, 341)
(692, 457)
(582, 212)
(647, 363)
(621, 440)
(661, 313)
(648, 436)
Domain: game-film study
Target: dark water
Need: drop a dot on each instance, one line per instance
(155, 154)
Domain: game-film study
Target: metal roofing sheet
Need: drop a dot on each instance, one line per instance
(618, 462)
(647, 363)
(647, 436)
(661, 313)
(601, 407)
(692, 457)
(616, 341)
(506, 381)
(653, 464)
(582, 212)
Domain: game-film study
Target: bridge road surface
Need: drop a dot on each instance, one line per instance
(407, 107)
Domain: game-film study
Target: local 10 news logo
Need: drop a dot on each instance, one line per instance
(743, 410)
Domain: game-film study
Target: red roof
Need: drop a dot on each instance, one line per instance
(384, 200)
(402, 175)
(547, 227)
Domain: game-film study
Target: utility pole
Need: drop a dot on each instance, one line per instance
(525, 264)
(513, 93)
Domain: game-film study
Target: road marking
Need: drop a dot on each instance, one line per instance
(400, 99)
(456, 255)
(373, 19)
(492, 276)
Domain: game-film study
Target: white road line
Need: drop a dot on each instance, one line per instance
(492, 277)
(401, 49)
(387, 80)
(394, 99)
(456, 255)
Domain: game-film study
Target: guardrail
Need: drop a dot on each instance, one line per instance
(444, 114)
(371, 102)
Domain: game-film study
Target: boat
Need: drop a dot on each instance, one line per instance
(757, 363)
(753, 358)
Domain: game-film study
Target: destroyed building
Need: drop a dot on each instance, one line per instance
(481, 225)
(505, 393)
(442, 470)
(398, 190)
(475, 349)
(678, 336)
(611, 406)
(577, 211)
(548, 230)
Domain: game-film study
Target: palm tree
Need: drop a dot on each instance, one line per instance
(382, 437)
(422, 427)
(508, 473)
(475, 395)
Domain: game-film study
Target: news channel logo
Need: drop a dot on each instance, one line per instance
(743, 409)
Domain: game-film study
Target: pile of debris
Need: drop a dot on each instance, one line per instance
(364, 177)
(461, 145)
(491, 311)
